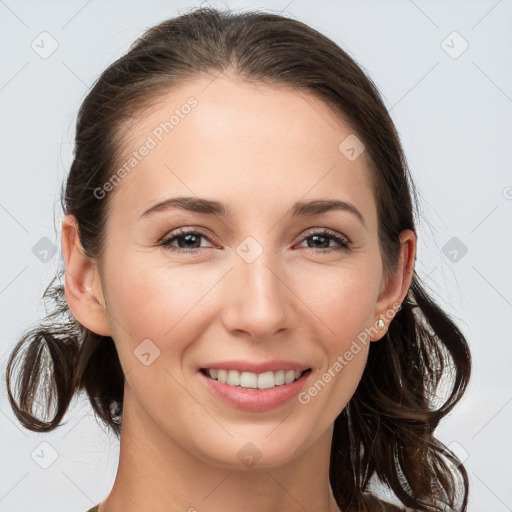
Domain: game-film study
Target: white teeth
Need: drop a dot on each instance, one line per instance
(279, 377)
(254, 380)
(266, 380)
(222, 375)
(289, 376)
(248, 379)
(233, 378)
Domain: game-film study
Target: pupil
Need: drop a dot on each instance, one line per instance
(316, 237)
(189, 238)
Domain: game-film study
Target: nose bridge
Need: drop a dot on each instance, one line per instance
(259, 300)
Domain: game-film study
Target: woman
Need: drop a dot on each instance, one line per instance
(289, 360)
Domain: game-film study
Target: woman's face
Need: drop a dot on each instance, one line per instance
(256, 285)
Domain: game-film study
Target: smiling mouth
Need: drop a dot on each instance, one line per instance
(252, 380)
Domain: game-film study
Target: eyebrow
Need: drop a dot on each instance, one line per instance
(211, 207)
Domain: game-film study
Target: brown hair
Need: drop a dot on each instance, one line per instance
(387, 428)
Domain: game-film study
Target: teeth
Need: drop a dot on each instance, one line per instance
(254, 380)
(233, 378)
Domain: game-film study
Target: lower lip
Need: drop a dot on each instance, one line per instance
(255, 400)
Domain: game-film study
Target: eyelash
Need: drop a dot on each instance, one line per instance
(344, 243)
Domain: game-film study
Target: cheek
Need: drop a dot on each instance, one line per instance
(153, 301)
(343, 301)
(342, 298)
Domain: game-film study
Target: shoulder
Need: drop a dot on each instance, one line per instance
(93, 509)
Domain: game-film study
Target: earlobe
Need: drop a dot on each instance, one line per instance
(396, 288)
(82, 285)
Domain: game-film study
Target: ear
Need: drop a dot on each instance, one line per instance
(82, 285)
(394, 289)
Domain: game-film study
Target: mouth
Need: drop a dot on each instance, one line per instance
(254, 392)
(251, 380)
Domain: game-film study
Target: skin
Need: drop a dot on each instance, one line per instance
(258, 149)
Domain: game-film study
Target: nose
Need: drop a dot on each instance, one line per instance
(260, 302)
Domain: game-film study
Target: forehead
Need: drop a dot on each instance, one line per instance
(246, 144)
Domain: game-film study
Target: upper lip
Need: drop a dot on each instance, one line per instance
(255, 367)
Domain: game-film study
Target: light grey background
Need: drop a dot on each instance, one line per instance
(453, 111)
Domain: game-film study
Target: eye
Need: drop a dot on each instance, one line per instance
(324, 236)
(187, 240)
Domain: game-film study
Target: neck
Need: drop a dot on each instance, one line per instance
(158, 473)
